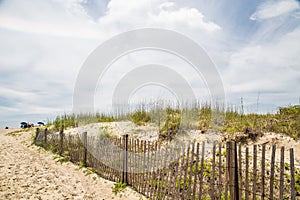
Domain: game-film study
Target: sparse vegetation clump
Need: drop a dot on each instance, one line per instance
(205, 118)
(66, 121)
(172, 124)
(140, 117)
(287, 121)
(119, 187)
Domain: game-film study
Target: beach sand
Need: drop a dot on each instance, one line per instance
(29, 172)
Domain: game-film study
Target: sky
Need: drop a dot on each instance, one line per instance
(43, 45)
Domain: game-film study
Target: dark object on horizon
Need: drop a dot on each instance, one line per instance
(6, 127)
(41, 124)
(23, 124)
(26, 125)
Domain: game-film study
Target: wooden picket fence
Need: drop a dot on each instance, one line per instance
(182, 170)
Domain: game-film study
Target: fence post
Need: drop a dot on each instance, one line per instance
(36, 135)
(272, 172)
(61, 136)
(45, 137)
(125, 159)
(292, 166)
(232, 170)
(236, 174)
(84, 141)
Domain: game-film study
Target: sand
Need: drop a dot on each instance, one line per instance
(29, 172)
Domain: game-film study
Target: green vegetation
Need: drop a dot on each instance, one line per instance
(119, 187)
(205, 118)
(14, 134)
(105, 131)
(65, 121)
(60, 159)
(172, 124)
(88, 171)
(68, 121)
(286, 120)
(140, 117)
(18, 132)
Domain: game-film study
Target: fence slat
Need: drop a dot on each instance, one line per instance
(148, 170)
(240, 172)
(196, 172)
(184, 193)
(281, 186)
(220, 171)
(144, 175)
(227, 176)
(201, 170)
(164, 178)
(254, 171)
(292, 166)
(61, 136)
(159, 163)
(232, 169)
(191, 172)
(170, 173)
(272, 172)
(37, 131)
(213, 170)
(153, 173)
(263, 162)
(247, 175)
(45, 137)
(140, 147)
(135, 164)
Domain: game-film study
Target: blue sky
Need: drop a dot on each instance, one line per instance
(254, 45)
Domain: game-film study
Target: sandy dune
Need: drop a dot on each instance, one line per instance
(29, 172)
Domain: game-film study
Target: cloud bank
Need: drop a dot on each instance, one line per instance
(45, 43)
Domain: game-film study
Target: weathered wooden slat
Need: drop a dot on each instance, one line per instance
(240, 171)
(188, 196)
(144, 169)
(158, 175)
(140, 166)
(212, 183)
(153, 172)
(172, 170)
(227, 175)
(196, 172)
(281, 186)
(148, 171)
(263, 167)
(220, 171)
(177, 174)
(201, 170)
(247, 175)
(184, 193)
(292, 168)
(254, 172)
(272, 172)
(165, 173)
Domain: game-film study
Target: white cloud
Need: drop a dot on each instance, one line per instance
(44, 44)
(156, 13)
(272, 9)
(48, 18)
(267, 68)
(186, 17)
